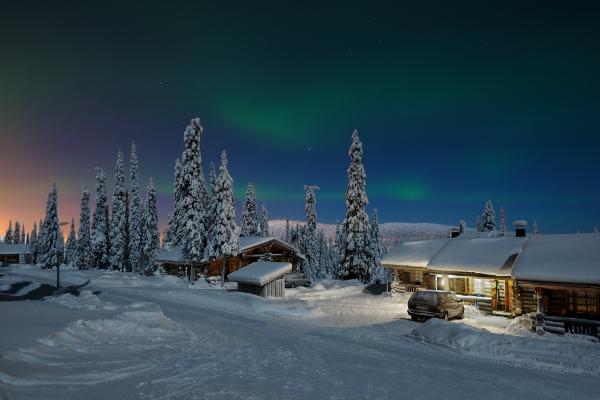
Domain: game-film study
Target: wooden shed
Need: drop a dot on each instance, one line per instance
(15, 253)
(262, 278)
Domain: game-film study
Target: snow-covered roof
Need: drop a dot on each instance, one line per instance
(488, 256)
(260, 272)
(573, 258)
(413, 254)
(175, 254)
(249, 242)
(14, 248)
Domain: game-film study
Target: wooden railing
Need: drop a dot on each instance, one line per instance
(562, 325)
(406, 288)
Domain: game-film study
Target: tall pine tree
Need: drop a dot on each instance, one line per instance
(8, 236)
(33, 244)
(100, 225)
(488, 219)
(194, 195)
(378, 274)
(17, 233)
(50, 247)
(71, 249)
(224, 240)
(84, 243)
(136, 222)
(249, 219)
(151, 236)
(118, 231)
(264, 221)
(310, 246)
(357, 259)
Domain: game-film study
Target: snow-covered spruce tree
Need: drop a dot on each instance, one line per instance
(249, 219)
(461, 226)
(488, 219)
(209, 219)
(136, 221)
(288, 233)
(478, 227)
(337, 249)
(61, 246)
(100, 224)
(8, 236)
(264, 221)
(310, 245)
(23, 234)
(151, 237)
(224, 238)
(50, 247)
(33, 243)
(118, 228)
(357, 260)
(193, 194)
(84, 243)
(502, 231)
(17, 233)
(535, 228)
(378, 274)
(71, 249)
(175, 231)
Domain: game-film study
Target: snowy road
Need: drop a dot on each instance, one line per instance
(214, 346)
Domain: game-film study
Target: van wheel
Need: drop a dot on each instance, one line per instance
(446, 316)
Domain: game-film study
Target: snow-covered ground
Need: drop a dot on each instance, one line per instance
(158, 338)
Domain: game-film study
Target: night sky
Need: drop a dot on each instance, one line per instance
(455, 102)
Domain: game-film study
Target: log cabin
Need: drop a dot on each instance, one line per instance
(15, 253)
(475, 266)
(251, 249)
(559, 276)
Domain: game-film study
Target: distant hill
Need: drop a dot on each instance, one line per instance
(391, 232)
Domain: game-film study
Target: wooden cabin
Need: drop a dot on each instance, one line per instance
(477, 267)
(251, 249)
(15, 253)
(262, 278)
(559, 276)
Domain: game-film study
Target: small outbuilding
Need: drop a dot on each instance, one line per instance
(15, 253)
(262, 278)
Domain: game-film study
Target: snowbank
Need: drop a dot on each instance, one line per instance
(548, 353)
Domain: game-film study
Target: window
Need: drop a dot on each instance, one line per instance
(583, 302)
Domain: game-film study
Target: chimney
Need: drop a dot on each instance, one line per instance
(520, 228)
(454, 232)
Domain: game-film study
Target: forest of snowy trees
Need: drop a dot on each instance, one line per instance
(122, 233)
(122, 237)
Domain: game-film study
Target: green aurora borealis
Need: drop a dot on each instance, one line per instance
(455, 102)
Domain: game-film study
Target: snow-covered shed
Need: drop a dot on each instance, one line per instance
(262, 278)
(15, 253)
(564, 271)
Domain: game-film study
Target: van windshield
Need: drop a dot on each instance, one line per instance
(425, 297)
